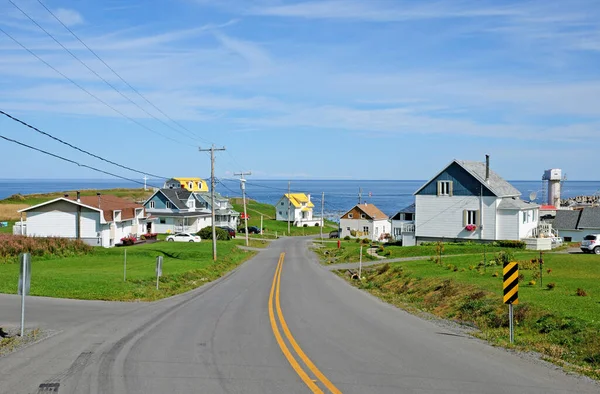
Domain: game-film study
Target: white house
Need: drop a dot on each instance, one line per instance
(100, 220)
(403, 226)
(365, 221)
(468, 201)
(300, 210)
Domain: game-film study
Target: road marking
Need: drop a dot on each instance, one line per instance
(326, 382)
(286, 352)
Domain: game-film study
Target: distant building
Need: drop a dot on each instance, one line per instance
(177, 210)
(300, 210)
(403, 226)
(466, 200)
(573, 225)
(365, 221)
(189, 184)
(100, 220)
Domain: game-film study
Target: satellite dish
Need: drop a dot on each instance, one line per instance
(532, 196)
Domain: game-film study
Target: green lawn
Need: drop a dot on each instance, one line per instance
(272, 226)
(6, 230)
(350, 250)
(558, 322)
(99, 275)
(33, 199)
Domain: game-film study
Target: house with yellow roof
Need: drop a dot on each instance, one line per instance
(190, 184)
(300, 210)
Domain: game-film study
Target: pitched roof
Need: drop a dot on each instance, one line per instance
(105, 203)
(177, 197)
(298, 198)
(496, 184)
(590, 218)
(566, 219)
(372, 211)
(409, 209)
(516, 203)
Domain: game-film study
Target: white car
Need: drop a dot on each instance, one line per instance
(183, 237)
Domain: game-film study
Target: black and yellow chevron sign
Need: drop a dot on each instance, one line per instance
(511, 283)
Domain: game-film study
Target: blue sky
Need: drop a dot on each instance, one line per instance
(352, 89)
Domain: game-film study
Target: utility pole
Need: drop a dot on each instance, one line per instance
(289, 203)
(359, 195)
(212, 150)
(243, 186)
(145, 179)
(322, 210)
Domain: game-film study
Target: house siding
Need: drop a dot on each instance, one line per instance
(442, 217)
(576, 235)
(383, 226)
(463, 183)
(160, 202)
(508, 224)
(525, 229)
(60, 220)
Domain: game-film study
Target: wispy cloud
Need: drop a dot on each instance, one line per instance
(69, 17)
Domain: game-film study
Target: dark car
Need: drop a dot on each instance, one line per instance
(251, 230)
(230, 230)
(334, 234)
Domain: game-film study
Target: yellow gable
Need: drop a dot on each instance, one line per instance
(193, 184)
(298, 199)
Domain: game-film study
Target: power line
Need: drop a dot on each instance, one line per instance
(93, 71)
(87, 91)
(77, 148)
(118, 75)
(69, 160)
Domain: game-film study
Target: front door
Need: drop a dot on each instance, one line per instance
(149, 227)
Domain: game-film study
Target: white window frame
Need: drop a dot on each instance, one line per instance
(363, 216)
(445, 188)
(471, 217)
(350, 216)
(117, 215)
(366, 230)
(151, 205)
(169, 205)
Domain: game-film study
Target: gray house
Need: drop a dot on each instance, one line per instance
(177, 210)
(573, 225)
(225, 215)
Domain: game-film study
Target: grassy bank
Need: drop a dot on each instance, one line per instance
(349, 251)
(561, 322)
(270, 225)
(135, 194)
(99, 275)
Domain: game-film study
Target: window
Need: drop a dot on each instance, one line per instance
(191, 185)
(350, 216)
(282, 203)
(117, 216)
(524, 217)
(376, 231)
(362, 216)
(169, 205)
(366, 229)
(470, 218)
(409, 216)
(347, 228)
(162, 221)
(534, 215)
(151, 204)
(444, 188)
(280, 213)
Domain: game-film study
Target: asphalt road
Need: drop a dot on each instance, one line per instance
(229, 337)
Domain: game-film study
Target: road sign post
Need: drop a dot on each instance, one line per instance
(24, 284)
(511, 292)
(360, 264)
(159, 262)
(125, 265)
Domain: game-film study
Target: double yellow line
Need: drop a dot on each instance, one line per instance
(284, 348)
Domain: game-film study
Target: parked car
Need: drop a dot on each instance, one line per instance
(591, 243)
(556, 242)
(334, 234)
(253, 230)
(230, 230)
(183, 237)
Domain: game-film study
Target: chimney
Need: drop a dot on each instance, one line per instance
(66, 196)
(98, 194)
(308, 195)
(487, 168)
(78, 196)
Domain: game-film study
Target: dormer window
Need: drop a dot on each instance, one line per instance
(444, 188)
(117, 216)
(191, 185)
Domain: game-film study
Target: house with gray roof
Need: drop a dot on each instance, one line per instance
(403, 226)
(573, 225)
(466, 200)
(225, 215)
(177, 210)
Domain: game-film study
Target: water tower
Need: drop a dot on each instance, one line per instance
(554, 178)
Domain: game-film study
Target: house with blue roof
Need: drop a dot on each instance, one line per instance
(466, 200)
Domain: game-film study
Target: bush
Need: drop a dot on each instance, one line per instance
(347, 238)
(510, 244)
(504, 257)
(364, 241)
(581, 293)
(222, 235)
(305, 225)
(551, 285)
(12, 245)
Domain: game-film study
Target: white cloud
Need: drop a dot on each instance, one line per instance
(69, 17)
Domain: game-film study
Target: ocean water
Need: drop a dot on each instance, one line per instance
(340, 195)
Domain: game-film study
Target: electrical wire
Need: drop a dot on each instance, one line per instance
(70, 161)
(119, 76)
(77, 148)
(87, 91)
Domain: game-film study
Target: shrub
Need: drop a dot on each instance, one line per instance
(12, 245)
(504, 257)
(128, 240)
(381, 248)
(305, 225)
(347, 238)
(222, 235)
(581, 293)
(510, 244)
(353, 233)
(364, 241)
(551, 285)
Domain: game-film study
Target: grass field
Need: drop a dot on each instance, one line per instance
(557, 322)
(350, 250)
(99, 275)
(33, 199)
(272, 226)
